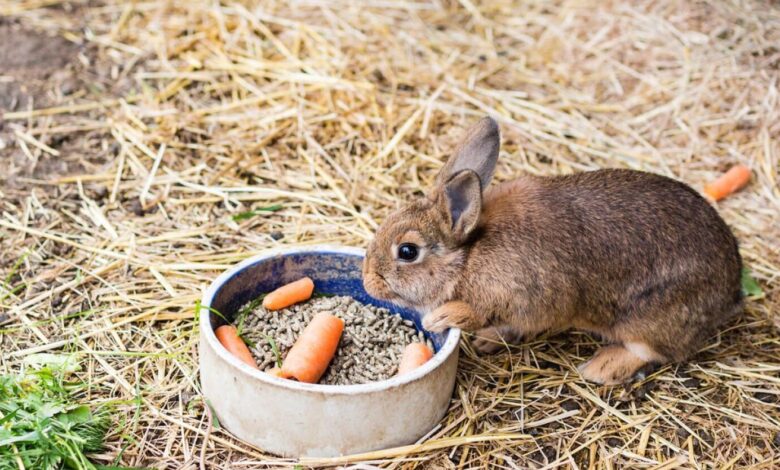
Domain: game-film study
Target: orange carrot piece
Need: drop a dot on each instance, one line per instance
(312, 352)
(728, 183)
(289, 294)
(415, 355)
(228, 337)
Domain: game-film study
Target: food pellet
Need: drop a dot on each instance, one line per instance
(370, 347)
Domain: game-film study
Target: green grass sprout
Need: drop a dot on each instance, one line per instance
(260, 211)
(750, 287)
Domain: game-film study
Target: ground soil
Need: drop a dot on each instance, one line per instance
(33, 66)
(38, 70)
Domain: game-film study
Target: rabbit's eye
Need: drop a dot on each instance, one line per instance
(407, 252)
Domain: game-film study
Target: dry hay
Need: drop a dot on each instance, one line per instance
(118, 194)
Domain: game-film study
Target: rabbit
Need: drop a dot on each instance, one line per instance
(639, 259)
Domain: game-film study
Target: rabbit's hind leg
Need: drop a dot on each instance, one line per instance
(617, 363)
(495, 338)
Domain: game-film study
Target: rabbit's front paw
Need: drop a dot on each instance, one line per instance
(453, 314)
(495, 338)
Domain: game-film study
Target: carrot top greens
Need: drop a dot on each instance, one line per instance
(42, 424)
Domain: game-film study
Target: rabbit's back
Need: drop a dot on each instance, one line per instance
(629, 225)
(611, 245)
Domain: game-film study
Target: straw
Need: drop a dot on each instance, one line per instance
(117, 198)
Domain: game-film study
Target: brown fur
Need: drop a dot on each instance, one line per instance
(611, 365)
(632, 256)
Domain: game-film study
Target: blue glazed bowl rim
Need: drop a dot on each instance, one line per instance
(207, 332)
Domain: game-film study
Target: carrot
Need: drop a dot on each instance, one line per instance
(415, 355)
(228, 337)
(289, 294)
(314, 349)
(728, 183)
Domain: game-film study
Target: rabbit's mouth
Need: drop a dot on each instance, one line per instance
(377, 287)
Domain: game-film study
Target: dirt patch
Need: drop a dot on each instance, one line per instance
(38, 70)
(32, 64)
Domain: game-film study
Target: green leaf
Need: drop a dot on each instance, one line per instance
(274, 349)
(49, 409)
(214, 421)
(14, 291)
(66, 363)
(7, 418)
(5, 284)
(198, 307)
(249, 214)
(244, 312)
(114, 467)
(750, 287)
(251, 344)
(78, 415)
(13, 270)
(32, 436)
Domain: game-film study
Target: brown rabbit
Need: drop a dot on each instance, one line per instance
(637, 258)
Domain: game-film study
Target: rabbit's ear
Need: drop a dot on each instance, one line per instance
(477, 151)
(461, 202)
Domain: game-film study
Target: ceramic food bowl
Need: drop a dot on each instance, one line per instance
(296, 419)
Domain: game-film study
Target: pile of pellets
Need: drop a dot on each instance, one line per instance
(370, 347)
